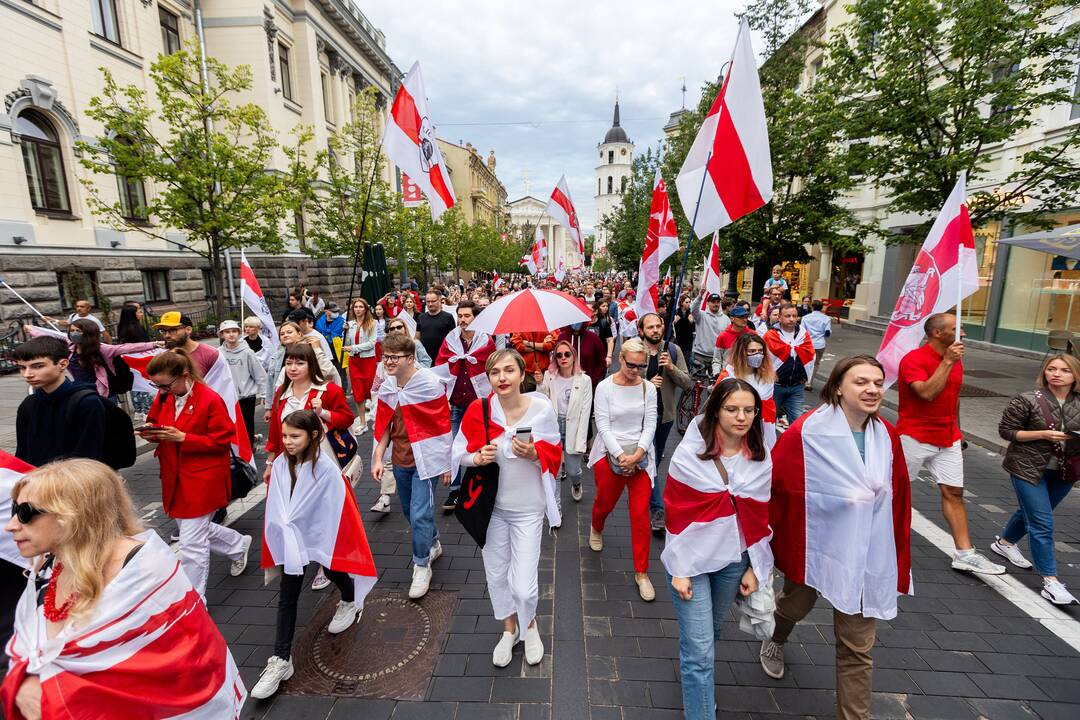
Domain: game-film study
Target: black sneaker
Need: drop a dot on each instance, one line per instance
(450, 504)
(656, 521)
(219, 515)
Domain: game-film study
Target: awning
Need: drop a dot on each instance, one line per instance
(1064, 240)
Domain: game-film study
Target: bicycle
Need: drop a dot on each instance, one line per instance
(692, 400)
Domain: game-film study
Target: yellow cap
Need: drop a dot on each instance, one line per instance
(171, 319)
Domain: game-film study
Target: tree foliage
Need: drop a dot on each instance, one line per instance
(933, 88)
(211, 186)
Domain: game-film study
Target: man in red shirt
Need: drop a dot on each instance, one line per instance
(740, 324)
(929, 384)
(536, 348)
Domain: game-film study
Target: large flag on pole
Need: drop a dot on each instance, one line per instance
(252, 296)
(711, 280)
(561, 209)
(661, 240)
(410, 143)
(945, 272)
(729, 163)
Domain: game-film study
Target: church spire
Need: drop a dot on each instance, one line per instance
(615, 121)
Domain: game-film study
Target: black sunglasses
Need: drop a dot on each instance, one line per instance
(564, 355)
(636, 366)
(26, 512)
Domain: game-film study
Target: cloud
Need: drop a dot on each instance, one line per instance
(536, 82)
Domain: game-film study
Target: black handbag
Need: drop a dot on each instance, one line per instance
(242, 477)
(479, 486)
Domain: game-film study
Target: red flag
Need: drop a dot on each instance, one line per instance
(561, 209)
(409, 140)
(661, 240)
(729, 163)
(945, 272)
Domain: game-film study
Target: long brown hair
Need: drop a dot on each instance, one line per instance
(369, 320)
(738, 363)
(306, 421)
(753, 443)
(89, 347)
(830, 392)
(300, 351)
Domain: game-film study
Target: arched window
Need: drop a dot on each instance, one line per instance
(610, 156)
(598, 190)
(43, 162)
(132, 193)
(609, 185)
(623, 189)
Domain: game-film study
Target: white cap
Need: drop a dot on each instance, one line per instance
(228, 325)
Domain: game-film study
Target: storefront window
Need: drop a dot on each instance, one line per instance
(974, 307)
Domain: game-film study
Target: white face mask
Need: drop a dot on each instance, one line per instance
(754, 361)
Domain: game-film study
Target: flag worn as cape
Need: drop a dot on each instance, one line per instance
(426, 413)
(798, 348)
(452, 354)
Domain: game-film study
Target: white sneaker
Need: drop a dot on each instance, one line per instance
(976, 562)
(436, 552)
(277, 671)
(346, 614)
(421, 579)
(1056, 593)
(1010, 553)
(534, 646)
(358, 428)
(383, 504)
(504, 651)
(321, 582)
(238, 566)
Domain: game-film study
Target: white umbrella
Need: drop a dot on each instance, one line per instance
(531, 310)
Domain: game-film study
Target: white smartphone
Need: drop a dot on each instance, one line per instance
(524, 434)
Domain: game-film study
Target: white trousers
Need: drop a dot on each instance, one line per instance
(511, 557)
(198, 538)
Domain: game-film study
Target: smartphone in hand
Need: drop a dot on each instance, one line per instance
(524, 434)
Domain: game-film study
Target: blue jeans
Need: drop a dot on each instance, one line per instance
(571, 461)
(1035, 518)
(418, 504)
(701, 619)
(789, 400)
(663, 430)
(456, 413)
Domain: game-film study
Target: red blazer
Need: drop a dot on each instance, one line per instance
(333, 400)
(194, 473)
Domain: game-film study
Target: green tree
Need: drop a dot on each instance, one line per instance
(931, 88)
(212, 185)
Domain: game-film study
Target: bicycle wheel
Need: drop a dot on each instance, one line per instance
(684, 413)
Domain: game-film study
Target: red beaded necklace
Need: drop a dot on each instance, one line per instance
(53, 613)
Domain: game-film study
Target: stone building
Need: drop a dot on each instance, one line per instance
(308, 59)
(479, 193)
(528, 212)
(613, 174)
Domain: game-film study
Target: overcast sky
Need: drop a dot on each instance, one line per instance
(536, 82)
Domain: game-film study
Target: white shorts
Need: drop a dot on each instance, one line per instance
(946, 464)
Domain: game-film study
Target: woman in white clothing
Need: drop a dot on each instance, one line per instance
(749, 360)
(622, 455)
(528, 464)
(569, 390)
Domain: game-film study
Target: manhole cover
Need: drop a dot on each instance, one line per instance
(975, 391)
(390, 653)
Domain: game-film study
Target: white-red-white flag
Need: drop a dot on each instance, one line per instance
(945, 272)
(409, 140)
(11, 469)
(661, 240)
(534, 260)
(496, 280)
(729, 162)
(667, 281)
(711, 281)
(561, 209)
(252, 296)
(426, 413)
(560, 270)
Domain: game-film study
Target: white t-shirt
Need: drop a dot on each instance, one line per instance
(521, 486)
(563, 386)
(75, 316)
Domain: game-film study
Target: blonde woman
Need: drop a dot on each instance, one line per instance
(107, 585)
(569, 390)
(360, 338)
(622, 455)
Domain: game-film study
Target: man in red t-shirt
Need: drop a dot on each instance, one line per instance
(929, 384)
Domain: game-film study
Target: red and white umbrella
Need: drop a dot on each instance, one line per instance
(531, 310)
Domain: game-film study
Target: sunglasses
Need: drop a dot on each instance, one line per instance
(635, 366)
(26, 512)
(563, 355)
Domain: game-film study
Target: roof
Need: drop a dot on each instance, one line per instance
(616, 134)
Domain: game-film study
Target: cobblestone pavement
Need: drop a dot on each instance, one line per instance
(958, 649)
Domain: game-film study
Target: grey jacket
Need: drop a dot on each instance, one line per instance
(1029, 460)
(247, 371)
(707, 327)
(673, 376)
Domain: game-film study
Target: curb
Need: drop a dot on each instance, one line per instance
(993, 445)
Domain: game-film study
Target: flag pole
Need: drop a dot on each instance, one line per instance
(686, 255)
(27, 304)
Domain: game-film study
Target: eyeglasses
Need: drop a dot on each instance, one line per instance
(165, 386)
(26, 512)
(393, 359)
(635, 366)
(735, 410)
(564, 355)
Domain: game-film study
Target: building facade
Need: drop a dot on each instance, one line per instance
(613, 174)
(308, 59)
(479, 193)
(528, 212)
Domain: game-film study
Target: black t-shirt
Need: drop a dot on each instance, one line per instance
(652, 371)
(433, 330)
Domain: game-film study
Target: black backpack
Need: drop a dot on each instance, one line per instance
(121, 380)
(119, 450)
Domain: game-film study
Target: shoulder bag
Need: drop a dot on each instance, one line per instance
(479, 486)
(1070, 466)
(630, 448)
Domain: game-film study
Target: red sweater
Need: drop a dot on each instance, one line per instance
(333, 400)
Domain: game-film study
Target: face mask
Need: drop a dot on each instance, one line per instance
(76, 337)
(754, 361)
(334, 315)
(577, 326)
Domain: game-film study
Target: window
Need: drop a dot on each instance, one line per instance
(1003, 72)
(283, 69)
(301, 229)
(327, 104)
(155, 285)
(352, 107)
(132, 194)
(170, 31)
(1075, 112)
(77, 285)
(609, 185)
(610, 156)
(623, 188)
(43, 162)
(598, 186)
(103, 19)
(208, 283)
